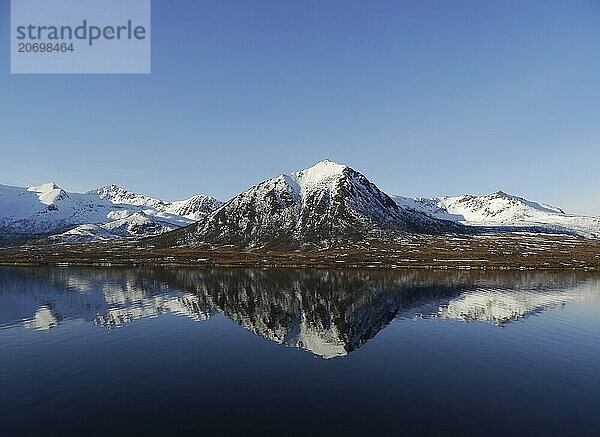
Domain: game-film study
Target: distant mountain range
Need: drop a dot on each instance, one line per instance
(326, 205)
(504, 212)
(109, 212)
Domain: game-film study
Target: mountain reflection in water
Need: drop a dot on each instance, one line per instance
(328, 312)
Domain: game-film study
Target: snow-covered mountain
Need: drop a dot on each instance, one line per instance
(322, 206)
(501, 210)
(195, 208)
(108, 212)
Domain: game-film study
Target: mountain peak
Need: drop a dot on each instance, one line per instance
(48, 193)
(117, 194)
(112, 188)
(500, 194)
(326, 166)
(323, 174)
(44, 188)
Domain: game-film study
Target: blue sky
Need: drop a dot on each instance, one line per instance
(424, 98)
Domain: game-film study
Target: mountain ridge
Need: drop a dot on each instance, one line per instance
(327, 205)
(503, 211)
(46, 210)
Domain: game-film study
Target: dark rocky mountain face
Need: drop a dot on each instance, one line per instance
(327, 205)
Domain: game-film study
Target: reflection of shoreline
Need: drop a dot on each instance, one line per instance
(329, 313)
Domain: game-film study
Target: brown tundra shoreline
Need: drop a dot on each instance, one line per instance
(508, 251)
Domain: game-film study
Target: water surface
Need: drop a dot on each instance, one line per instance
(127, 351)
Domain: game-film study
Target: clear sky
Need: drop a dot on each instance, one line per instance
(425, 98)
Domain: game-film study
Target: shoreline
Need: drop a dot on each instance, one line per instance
(513, 252)
(303, 266)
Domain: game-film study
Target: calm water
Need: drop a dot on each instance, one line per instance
(279, 352)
